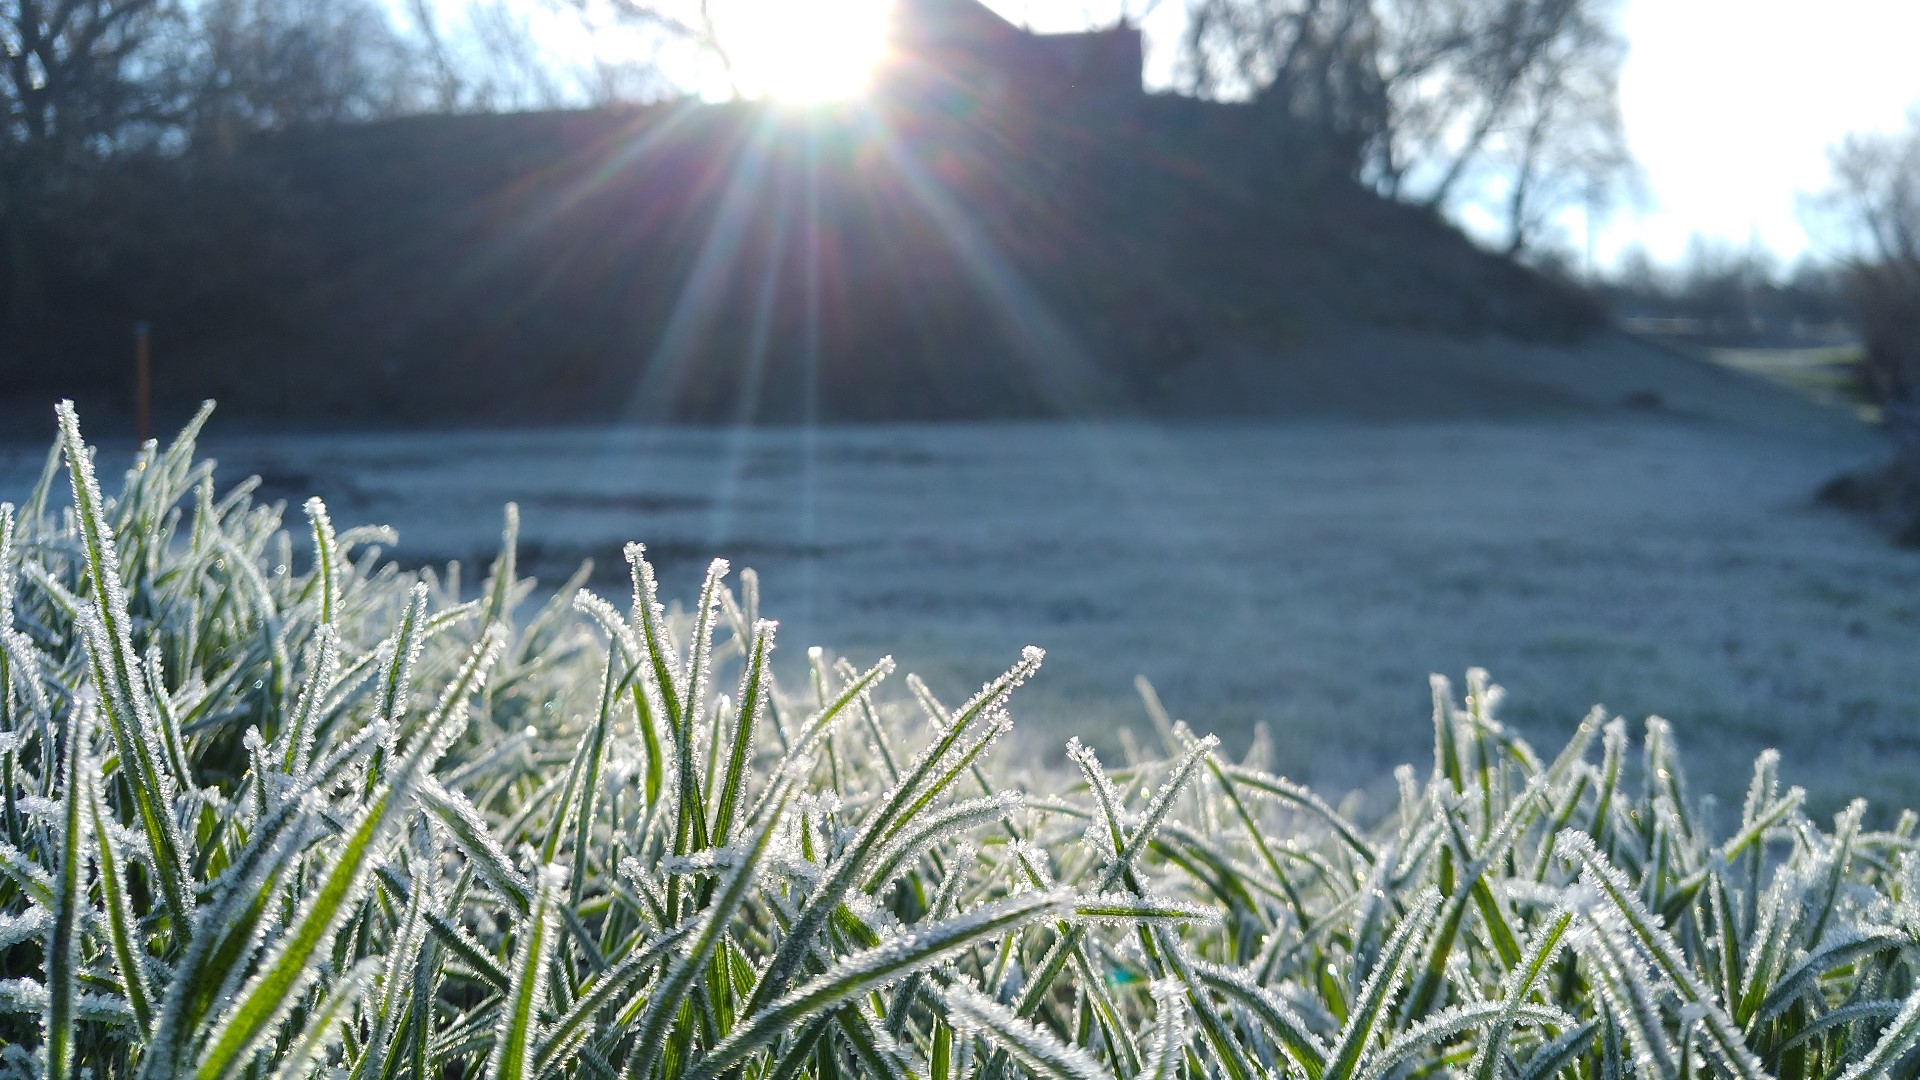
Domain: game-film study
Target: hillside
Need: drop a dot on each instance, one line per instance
(713, 263)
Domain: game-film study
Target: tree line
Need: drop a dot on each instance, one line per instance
(1725, 293)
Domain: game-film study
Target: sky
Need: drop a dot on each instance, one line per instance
(1730, 106)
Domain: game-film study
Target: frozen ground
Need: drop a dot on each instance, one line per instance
(1308, 575)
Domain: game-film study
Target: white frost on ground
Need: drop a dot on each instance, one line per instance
(1305, 574)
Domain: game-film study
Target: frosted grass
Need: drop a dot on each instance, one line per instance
(415, 836)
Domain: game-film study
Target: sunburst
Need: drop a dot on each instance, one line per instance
(806, 50)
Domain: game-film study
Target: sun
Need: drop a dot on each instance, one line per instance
(807, 50)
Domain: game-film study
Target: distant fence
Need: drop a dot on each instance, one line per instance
(1742, 333)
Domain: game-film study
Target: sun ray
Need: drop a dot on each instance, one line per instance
(657, 392)
(747, 406)
(1072, 382)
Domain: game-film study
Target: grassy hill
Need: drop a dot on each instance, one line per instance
(698, 262)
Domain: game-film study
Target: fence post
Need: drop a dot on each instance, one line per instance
(143, 380)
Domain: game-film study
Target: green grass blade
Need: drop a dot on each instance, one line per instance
(63, 959)
(1722, 1032)
(901, 802)
(671, 992)
(324, 1026)
(470, 952)
(1448, 1024)
(323, 668)
(504, 574)
(289, 968)
(1877, 1009)
(1839, 951)
(129, 953)
(1519, 986)
(1156, 812)
(107, 629)
(1394, 965)
(1299, 1042)
(1295, 795)
(1167, 1049)
(620, 638)
(516, 1038)
(475, 841)
(754, 685)
(699, 664)
(325, 555)
(653, 635)
(1555, 1057)
(856, 974)
(1037, 1051)
(600, 992)
(588, 800)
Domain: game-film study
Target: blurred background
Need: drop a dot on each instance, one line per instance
(1282, 352)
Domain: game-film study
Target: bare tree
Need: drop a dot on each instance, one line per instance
(1566, 144)
(1877, 186)
(510, 69)
(1474, 76)
(1423, 97)
(690, 28)
(447, 75)
(489, 56)
(73, 89)
(1876, 197)
(73, 70)
(1316, 62)
(268, 64)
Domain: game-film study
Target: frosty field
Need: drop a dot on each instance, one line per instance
(458, 846)
(1307, 575)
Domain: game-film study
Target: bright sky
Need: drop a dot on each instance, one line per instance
(1729, 105)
